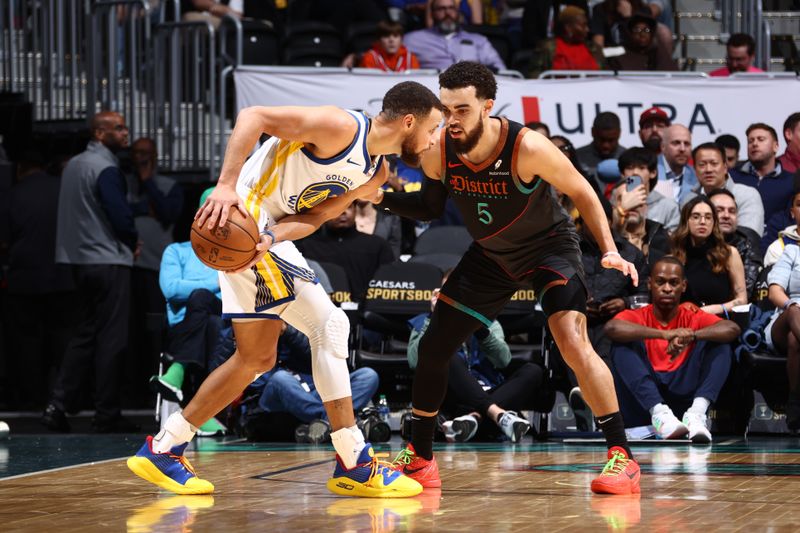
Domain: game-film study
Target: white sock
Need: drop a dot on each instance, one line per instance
(699, 406)
(348, 443)
(177, 430)
(659, 407)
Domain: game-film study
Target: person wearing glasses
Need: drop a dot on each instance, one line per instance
(714, 269)
(641, 49)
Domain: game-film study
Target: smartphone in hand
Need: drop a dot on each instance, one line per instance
(631, 182)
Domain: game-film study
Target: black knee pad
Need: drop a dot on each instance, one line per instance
(568, 297)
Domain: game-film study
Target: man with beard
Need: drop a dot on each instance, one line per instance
(652, 123)
(446, 43)
(675, 178)
(499, 173)
(606, 130)
(317, 161)
(764, 172)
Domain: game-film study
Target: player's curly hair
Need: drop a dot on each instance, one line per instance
(470, 74)
(409, 97)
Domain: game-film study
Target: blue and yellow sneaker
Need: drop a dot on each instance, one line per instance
(170, 471)
(371, 478)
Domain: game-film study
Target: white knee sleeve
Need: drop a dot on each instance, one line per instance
(328, 329)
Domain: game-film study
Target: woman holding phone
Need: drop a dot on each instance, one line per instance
(714, 269)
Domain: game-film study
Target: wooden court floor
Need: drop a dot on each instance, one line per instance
(731, 486)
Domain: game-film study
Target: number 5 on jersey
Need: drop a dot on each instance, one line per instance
(484, 216)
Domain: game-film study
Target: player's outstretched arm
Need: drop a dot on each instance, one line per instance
(326, 130)
(540, 157)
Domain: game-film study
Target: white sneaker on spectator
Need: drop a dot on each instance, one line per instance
(667, 424)
(513, 426)
(698, 427)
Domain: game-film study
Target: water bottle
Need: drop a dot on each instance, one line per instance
(383, 408)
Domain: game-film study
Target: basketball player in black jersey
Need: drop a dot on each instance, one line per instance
(499, 174)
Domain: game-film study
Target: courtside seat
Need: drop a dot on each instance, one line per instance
(361, 36)
(443, 239)
(313, 35)
(397, 292)
(311, 57)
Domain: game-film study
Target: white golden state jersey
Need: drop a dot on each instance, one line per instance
(284, 178)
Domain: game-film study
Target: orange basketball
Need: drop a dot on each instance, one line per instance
(228, 247)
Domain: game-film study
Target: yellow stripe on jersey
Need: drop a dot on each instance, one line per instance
(269, 178)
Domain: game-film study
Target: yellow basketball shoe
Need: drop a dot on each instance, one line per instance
(171, 470)
(371, 478)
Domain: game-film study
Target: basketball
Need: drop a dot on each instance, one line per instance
(228, 247)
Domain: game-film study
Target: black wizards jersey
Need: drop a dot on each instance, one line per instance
(513, 222)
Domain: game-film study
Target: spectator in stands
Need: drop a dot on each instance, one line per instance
(670, 357)
(539, 127)
(641, 51)
(744, 240)
(379, 222)
(676, 178)
(712, 173)
(388, 53)
(446, 43)
(35, 284)
(790, 160)
(481, 384)
(609, 291)
(648, 236)
(568, 150)
(97, 237)
(643, 163)
(341, 243)
(570, 49)
(606, 131)
(156, 202)
(539, 16)
(731, 146)
(210, 10)
(782, 332)
(740, 53)
(194, 314)
(652, 123)
(762, 170)
(290, 387)
(470, 11)
(610, 24)
(714, 269)
(786, 235)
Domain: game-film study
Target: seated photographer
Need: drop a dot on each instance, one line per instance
(290, 387)
(481, 385)
(670, 357)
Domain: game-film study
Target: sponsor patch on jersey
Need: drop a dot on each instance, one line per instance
(315, 194)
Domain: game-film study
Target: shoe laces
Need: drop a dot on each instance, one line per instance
(185, 462)
(405, 457)
(616, 464)
(377, 464)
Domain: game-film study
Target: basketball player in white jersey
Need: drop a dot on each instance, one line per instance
(316, 163)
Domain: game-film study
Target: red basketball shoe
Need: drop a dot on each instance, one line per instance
(620, 475)
(425, 472)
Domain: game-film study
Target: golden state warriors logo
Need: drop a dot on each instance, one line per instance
(317, 193)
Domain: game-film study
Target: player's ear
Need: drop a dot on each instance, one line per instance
(488, 105)
(408, 121)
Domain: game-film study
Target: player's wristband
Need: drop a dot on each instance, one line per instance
(609, 254)
(788, 304)
(265, 231)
